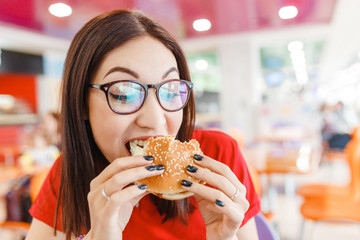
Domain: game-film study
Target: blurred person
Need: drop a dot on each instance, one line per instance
(90, 191)
(50, 125)
(338, 123)
(42, 146)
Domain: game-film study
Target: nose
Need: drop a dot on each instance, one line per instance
(151, 115)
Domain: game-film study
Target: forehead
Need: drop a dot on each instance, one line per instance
(141, 54)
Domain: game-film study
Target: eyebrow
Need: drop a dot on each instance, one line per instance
(136, 75)
(122, 69)
(173, 69)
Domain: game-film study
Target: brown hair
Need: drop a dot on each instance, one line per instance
(82, 160)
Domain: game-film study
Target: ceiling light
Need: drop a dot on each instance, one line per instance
(297, 54)
(60, 10)
(288, 12)
(295, 46)
(202, 25)
(201, 64)
(302, 77)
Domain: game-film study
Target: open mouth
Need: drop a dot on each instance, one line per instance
(136, 147)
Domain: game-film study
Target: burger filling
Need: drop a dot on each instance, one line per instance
(137, 147)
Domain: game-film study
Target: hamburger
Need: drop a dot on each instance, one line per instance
(175, 156)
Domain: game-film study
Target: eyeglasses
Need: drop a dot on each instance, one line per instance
(128, 96)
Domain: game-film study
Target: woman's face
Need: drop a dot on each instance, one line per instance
(145, 60)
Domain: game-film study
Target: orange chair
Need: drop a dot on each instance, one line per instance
(255, 179)
(325, 201)
(239, 137)
(35, 185)
(258, 188)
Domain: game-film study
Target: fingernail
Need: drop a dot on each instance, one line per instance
(198, 157)
(159, 167)
(186, 183)
(192, 169)
(142, 186)
(150, 168)
(219, 203)
(148, 158)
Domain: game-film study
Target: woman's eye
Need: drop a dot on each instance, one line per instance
(122, 98)
(169, 95)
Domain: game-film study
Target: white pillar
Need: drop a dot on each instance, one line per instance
(238, 63)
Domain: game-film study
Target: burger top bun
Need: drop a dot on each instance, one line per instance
(175, 156)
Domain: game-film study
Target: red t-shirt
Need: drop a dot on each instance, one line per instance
(145, 221)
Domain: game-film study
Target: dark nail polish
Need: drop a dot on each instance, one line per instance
(159, 167)
(186, 183)
(219, 203)
(192, 169)
(150, 168)
(198, 157)
(148, 158)
(142, 187)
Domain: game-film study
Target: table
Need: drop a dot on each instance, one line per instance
(294, 157)
(286, 158)
(9, 173)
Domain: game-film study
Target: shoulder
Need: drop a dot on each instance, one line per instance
(200, 134)
(213, 137)
(218, 145)
(45, 204)
(55, 172)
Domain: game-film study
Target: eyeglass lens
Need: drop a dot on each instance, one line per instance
(127, 97)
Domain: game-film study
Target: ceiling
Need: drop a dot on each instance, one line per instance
(226, 16)
(26, 25)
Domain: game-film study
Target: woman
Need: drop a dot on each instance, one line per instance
(124, 52)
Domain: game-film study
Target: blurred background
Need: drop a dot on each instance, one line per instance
(280, 76)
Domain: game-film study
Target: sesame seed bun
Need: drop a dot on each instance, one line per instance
(175, 156)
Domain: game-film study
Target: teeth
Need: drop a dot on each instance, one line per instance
(137, 147)
(139, 142)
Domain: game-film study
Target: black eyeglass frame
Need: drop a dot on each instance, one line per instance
(105, 88)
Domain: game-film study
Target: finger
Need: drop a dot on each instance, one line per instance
(123, 200)
(120, 180)
(219, 199)
(121, 164)
(96, 198)
(216, 180)
(131, 194)
(109, 207)
(217, 167)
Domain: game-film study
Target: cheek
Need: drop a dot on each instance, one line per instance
(174, 121)
(99, 113)
(107, 129)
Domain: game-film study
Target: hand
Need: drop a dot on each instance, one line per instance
(222, 207)
(113, 195)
